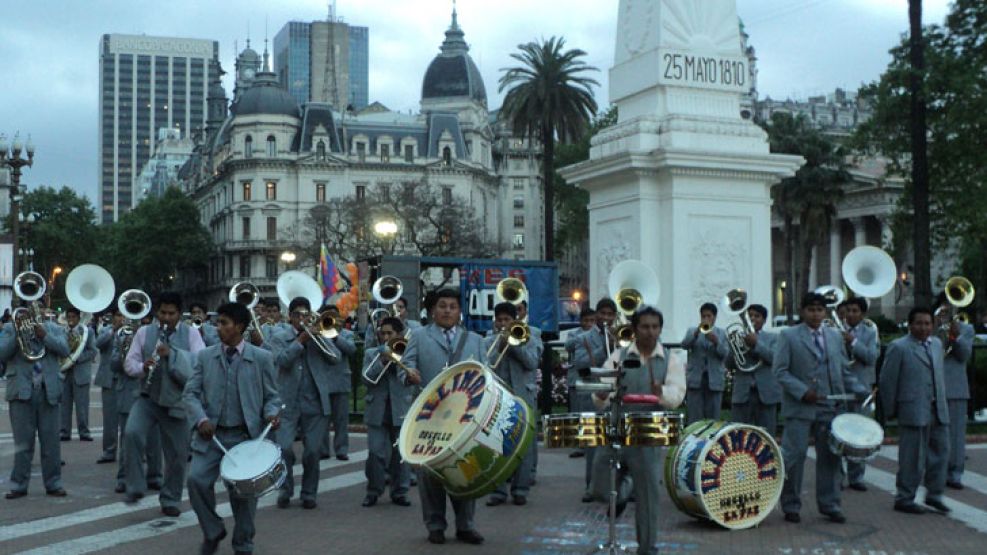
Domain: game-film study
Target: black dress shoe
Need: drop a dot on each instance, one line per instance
(576, 454)
(85, 438)
(937, 505)
(309, 504)
(587, 497)
(793, 517)
(60, 492)
(15, 494)
(171, 511)
(520, 500)
(64, 438)
(910, 508)
(835, 516)
(121, 488)
(954, 485)
(343, 457)
(401, 501)
(284, 502)
(106, 459)
(494, 501)
(209, 547)
(324, 457)
(859, 486)
(369, 500)
(436, 536)
(469, 536)
(155, 487)
(414, 482)
(133, 498)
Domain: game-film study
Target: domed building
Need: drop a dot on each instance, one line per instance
(258, 171)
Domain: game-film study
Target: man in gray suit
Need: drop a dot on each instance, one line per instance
(517, 369)
(77, 378)
(340, 385)
(756, 395)
(161, 358)
(387, 402)
(959, 348)
(810, 364)
(106, 380)
(861, 341)
(579, 363)
(232, 391)
(401, 313)
(430, 350)
(34, 389)
(207, 329)
(708, 351)
(303, 384)
(913, 390)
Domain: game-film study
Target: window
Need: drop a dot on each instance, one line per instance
(361, 191)
(245, 265)
(272, 190)
(320, 192)
(409, 153)
(518, 241)
(447, 156)
(518, 201)
(518, 220)
(272, 228)
(447, 195)
(361, 151)
(246, 228)
(518, 183)
(271, 265)
(320, 151)
(248, 147)
(385, 153)
(272, 146)
(385, 192)
(469, 147)
(246, 190)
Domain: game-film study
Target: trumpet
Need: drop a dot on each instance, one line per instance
(705, 328)
(393, 352)
(515, 335)
(29, 286)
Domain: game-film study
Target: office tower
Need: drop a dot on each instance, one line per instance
(323, 61)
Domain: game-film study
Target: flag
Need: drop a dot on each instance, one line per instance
(328, 276)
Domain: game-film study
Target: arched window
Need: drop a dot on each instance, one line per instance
(320, 151)
(447, 156)
(272, 147)
(248, 147)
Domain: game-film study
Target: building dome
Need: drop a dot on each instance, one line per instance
(265, 96)
(452, 73)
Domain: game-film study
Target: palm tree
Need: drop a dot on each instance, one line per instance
(549, 99)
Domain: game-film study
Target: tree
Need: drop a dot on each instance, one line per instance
(807, 199)
(920, 168)
(155, 241)
(549, 98)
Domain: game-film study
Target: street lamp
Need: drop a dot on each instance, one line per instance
(51, 284)
(386, 230)
(288, 257)
(10, 156)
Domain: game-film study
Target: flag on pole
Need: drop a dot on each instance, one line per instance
(327, 275)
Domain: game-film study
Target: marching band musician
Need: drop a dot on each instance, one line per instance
(705, 371)
(34, 390)
(304, 385)
(913, 390)
(77, 379)
(106, 380)
(401, 309)
(810, 364)
(162, 358)
(517, 369)
(756, 395)
(652, 372)
(232, 391)
(387, 402)
(580, 361)
(959, 348)
(535, 340)
(862, 345)
(340, 385)
(207, 329)
(430, 350)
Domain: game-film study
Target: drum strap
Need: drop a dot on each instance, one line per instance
(454, 357)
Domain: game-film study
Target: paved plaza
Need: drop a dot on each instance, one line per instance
(93, 519)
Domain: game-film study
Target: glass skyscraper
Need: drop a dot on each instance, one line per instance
(359, 66)
(312, 70)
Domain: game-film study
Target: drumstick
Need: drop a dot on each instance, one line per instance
(268, 427)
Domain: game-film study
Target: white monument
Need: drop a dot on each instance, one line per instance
(681, 181)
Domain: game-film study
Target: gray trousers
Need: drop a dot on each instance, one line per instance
(313, 428)
(923, 452)
(384, 461)
(151, 455)
(433, 498)
(111, 421)
(339, 417)
(702, 403)
(757, 413)
(30, 419)
(144, 415)
(79, 395)
(957, 440)
(794, 444)
(521, 479)
(202, 476)
(640, 472)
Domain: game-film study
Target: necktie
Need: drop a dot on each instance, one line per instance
(37, 377)
(820, 343)
(230, 354)
(450, 334)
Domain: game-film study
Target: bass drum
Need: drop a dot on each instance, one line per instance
(468, 430)
(726, 472)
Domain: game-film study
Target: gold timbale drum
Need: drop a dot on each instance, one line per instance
(725, 472)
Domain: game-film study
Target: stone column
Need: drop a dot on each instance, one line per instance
(835, 254)
(859, 231)
(814, 268)
(887, 236)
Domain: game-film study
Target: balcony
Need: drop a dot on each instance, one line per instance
(256, 245)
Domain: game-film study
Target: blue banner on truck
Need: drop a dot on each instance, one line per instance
(478, 290)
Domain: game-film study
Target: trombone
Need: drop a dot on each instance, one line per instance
(834, 297)
(515, 335)
(393, 352)
(247, 294)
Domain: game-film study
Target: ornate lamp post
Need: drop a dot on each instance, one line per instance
(10, 156)
(387, 230)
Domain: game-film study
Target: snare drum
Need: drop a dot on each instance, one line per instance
(575, 430)
(650, 429)
(855, 436)
(253, 468)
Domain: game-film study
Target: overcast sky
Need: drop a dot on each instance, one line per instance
(51, 55)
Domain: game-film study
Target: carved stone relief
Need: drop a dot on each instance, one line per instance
(720, 257)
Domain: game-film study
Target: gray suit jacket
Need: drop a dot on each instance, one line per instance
(865, 350)
(704, 355)
(518, 366)
(796, 357)
(768, 389)
(20, 371)
(210, 335)
(910, 382)
(105, 344)
(957, 384)
(340, 374)
(389, 389)
(82, 370)
(256, 382)
(370, 333)
(291, 359)
(428, 353)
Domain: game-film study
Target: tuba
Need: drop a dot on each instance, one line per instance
(89, 288)
(29, 287)
(321, 327)
(134, 304)
(735, 303)
(631, 284)
(386, 290)
(869, 272)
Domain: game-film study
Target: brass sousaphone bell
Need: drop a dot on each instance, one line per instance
(631, 284)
